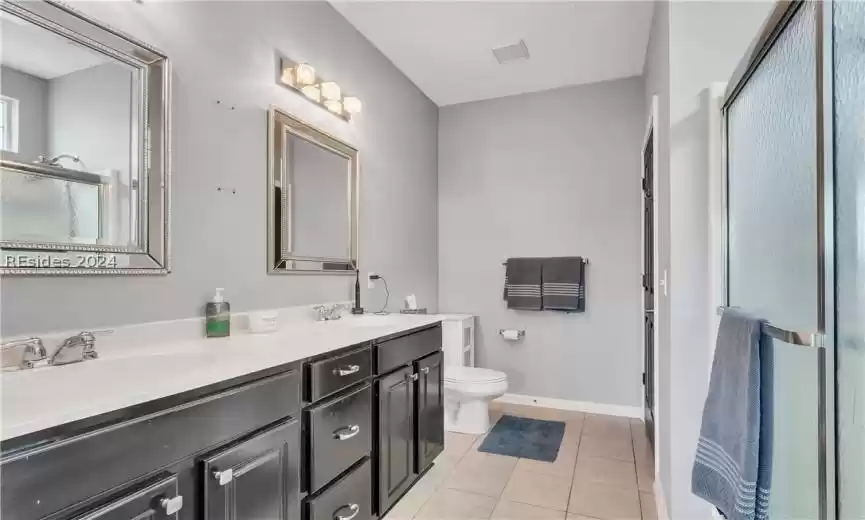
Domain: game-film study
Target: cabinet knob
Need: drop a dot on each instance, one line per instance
(354, 509)
(346, 371)
(346, 433)
(171, 505)
(223, 477)
(425, 370)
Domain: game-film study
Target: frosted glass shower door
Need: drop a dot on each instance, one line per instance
(849, 130)
(773, 242)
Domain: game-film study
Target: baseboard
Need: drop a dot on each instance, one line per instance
(660, 501)
(578, 406)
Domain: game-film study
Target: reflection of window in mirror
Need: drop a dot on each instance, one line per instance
(8, 124)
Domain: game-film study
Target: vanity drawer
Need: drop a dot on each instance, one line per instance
(127, 450)
(339, 434)
(330, 375)
(397, 352)
(349, 498)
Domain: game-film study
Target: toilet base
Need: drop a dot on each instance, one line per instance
(471, 417)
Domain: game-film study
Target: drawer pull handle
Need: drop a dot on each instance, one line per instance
(346, 433)
(425, 370)
(223, 477)
(171, 505)
(347, 371)
(354, 508)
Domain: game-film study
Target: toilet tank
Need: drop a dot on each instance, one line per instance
(458, 339)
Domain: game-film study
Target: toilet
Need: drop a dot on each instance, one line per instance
(468, 390)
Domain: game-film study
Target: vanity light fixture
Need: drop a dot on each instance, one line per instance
(333, 105)
(312, 92)
(302, 78)
(331, 91)
(351, 105)
(304, 74)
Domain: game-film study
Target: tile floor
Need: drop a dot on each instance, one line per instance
(603, 471)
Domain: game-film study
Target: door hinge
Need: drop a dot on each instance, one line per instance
(644, 379)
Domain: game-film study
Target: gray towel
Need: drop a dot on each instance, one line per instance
(564, 288)
(523, 283)
(733, 463)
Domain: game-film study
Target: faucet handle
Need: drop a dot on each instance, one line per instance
(23, 353)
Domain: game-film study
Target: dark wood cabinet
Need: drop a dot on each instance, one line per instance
(156, 501)
(396, 448)
(338, 436)
(256, 478)
(430, 410)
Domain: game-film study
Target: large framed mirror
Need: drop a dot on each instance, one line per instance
(312, 203)
(84, 146)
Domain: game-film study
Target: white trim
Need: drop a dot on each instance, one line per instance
(653, 129)
(660, 501)
(635, 412)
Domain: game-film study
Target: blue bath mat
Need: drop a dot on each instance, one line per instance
(527, 438)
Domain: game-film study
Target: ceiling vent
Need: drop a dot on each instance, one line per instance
(511, 53)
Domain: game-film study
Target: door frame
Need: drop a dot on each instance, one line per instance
(652, 129)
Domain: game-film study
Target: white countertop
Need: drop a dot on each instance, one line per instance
(48, 396)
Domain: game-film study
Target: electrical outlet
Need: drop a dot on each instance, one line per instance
(370, 283)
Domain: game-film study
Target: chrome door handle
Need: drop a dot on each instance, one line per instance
(223, 477)
(414, 377)
(346, 433)
(354, 508)
(171, 505)
(347, 371)
(425, 370)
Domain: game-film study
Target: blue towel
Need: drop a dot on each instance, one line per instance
(733, 463)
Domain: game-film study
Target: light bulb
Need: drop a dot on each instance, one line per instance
(288, 76)
(334, 106)
(312, 92)
(304, 74)
(352, 105)
(330, 90)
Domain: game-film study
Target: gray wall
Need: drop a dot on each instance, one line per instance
(555, 173)
(32, 95)
(226, 51)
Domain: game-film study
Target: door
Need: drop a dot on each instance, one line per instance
(430, 410)
(649, 288)
(157, 501)
(396, 448)
(256, 478)
(849, 106)
(776, 247)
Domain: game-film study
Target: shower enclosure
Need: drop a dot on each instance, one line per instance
(794, 134)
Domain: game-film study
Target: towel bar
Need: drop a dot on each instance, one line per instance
(804, 339)
(585, 261)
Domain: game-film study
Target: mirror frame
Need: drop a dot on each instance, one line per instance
(151, 255)
(282, 261)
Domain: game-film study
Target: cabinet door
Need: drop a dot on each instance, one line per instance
(157, 501)
(256, 478)
(430, 410)
(396, 436)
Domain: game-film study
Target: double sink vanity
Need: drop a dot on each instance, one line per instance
(319, 421)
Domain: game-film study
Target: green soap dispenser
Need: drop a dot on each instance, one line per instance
(217, 315)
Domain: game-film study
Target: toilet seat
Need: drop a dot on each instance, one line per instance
(473, 375)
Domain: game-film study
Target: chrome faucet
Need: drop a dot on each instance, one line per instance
(23, 353)
(328, 312)
(55, 161)
(79, 347)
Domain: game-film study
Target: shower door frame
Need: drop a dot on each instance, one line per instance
(772, 28)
